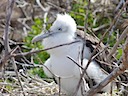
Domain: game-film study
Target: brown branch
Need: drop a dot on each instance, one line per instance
(6, 31)
(12, 54)
(17, 75)
(4, 60)
(6, 40)
(82, 51)
(75, 62)
(114, 48)
(125, 53)
(37, 51)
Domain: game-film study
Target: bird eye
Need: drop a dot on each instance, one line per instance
(60, 29)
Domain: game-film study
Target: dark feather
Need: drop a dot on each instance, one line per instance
(91, 42)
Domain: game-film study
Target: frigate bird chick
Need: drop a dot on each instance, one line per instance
(63, 31)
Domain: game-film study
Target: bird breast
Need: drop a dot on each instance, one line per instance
(73, 50)
(59, 61)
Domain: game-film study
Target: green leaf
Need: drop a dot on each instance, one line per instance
(120, 51)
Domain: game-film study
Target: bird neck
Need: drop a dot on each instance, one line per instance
(56, 40)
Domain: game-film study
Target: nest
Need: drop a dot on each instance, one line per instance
(26, 85)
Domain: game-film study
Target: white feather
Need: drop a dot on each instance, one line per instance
(64, 29)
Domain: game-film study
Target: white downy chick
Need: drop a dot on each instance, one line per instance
(63, 31)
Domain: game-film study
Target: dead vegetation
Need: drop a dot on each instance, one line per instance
(16, 19)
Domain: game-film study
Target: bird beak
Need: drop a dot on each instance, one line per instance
(42, 36)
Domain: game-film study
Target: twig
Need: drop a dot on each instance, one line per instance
(16, 71)
(85, 28)
(59, 85)
(75, 62)
(114, 48)
(32, 65)
(37, 51)
(7, 91)
(42, 7)
(82, 51)
(59, 8)
(120, 4)
(6, 31)
(46, 10)
(4, 60)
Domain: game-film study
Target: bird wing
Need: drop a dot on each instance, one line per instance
(101, 50)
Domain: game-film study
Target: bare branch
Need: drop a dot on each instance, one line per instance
(4, 60)
(6, 31)
(75, 62)
(37, 51)
(123, 35)
(16, 71)
(42, 7)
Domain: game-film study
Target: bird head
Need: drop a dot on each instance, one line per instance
(64, 25)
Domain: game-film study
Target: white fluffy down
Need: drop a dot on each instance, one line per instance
(60, 65)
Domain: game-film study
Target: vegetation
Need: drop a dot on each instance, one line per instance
(40, 57)
(25, 76)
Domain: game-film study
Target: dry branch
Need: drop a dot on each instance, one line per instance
(114, 48)
(12, 54)
(6, 31)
